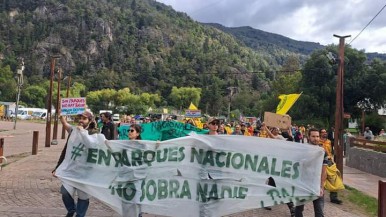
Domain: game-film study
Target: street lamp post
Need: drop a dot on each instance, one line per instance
(339, 110)
(20, 81)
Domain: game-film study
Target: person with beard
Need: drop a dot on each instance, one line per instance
(80, 208)
(313, 139)
(327, 145)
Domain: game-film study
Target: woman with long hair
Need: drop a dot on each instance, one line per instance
(135, 132)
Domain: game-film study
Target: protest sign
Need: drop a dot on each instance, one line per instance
(276, 120)
(165, 130)
(192, 113)
(72, 106)
(198, 175)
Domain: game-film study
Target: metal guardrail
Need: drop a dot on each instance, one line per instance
(369, 144)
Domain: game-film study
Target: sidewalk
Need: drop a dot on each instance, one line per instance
(27, 187)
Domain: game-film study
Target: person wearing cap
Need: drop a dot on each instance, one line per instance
(108, 128)
(86, 121)
(147, 120)
(213, 125)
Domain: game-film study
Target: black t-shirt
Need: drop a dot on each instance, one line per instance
(108, 129)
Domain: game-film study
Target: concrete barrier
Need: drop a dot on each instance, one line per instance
(366, 160)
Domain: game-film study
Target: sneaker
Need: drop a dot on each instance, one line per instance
(336, 201)
(267, 208)
(70, 214)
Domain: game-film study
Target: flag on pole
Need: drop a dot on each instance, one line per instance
(286, 102)
(192, 106)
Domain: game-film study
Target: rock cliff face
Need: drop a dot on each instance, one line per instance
(157, 46)
(57, 42)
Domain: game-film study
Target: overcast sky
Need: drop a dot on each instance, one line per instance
(303, 20)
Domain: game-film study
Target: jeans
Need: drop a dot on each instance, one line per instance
(318, 208)
(80, 208)
(333, 195)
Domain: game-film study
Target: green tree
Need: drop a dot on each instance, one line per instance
(182, 97)
(7, 84)
(101, 99)
(34, 96)
(364, 85)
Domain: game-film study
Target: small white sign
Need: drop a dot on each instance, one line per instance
(192, 113)
(73, 106)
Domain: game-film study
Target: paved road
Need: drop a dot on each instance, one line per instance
(28, 189)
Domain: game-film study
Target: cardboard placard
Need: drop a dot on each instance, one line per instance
(276, 120)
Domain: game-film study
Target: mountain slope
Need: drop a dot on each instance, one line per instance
(145, 41)
(258, 39)
(271, 43)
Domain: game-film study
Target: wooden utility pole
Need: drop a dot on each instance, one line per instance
(339, 110)
(55, 134)
(49, 103)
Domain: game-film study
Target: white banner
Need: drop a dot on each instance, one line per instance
(198, 175)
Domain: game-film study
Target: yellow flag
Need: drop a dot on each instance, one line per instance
(286, 102)
(192, 106)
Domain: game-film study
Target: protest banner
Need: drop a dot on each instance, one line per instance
(123, 131)
(276, 120)
(165, 130)
(192, 176)
(73, 106)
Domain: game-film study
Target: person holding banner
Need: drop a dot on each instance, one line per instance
(67, 191)
(313, 139)
(275, 135)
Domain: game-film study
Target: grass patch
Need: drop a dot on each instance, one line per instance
(368, 204)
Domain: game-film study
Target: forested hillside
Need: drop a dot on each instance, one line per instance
(130, 55)
(143, 45)
(277, 46)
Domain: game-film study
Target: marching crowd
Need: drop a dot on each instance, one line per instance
(111, 131)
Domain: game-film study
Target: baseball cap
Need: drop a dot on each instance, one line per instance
(212, 119)
(86, 114)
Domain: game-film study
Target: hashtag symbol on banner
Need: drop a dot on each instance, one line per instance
(77, 151)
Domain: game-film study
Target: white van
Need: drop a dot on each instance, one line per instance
(39, 114)
(26, 113)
